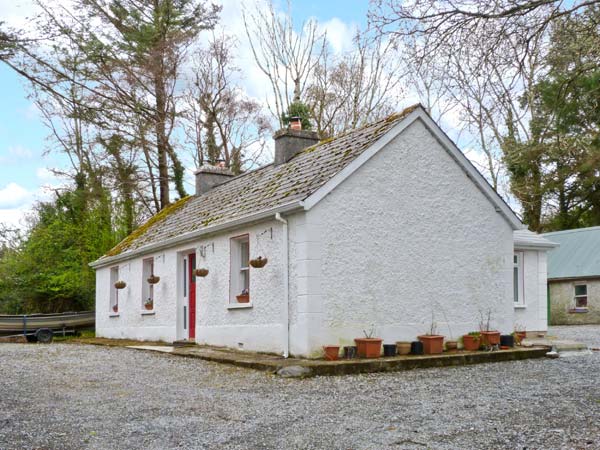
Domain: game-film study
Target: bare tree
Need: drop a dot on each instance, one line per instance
(286, 57)
(356, 87)
(223, 123)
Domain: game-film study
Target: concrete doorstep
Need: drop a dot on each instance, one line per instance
(297, 367)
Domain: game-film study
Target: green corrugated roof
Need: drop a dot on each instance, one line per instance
(578, 254)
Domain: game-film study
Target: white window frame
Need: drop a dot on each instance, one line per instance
(114, 292)
(518, 264)
(575, 296)
(147, 288)
(237, 268)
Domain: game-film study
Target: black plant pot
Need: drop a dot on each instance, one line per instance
(507, 340)
(350, 351)
(416, 348)
(389, 349)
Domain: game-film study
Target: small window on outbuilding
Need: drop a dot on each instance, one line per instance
(240, 272)
(114, 292)
(581, 296)
(147, 288)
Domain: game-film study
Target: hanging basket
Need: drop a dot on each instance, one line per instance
(153, 279)
(120, 284)
(259, 263)
(201, 272)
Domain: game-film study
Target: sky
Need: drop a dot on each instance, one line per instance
(26, 158)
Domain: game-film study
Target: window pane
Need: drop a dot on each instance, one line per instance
(581, 302)
(581, 289)
(245, 280)
(516, 259)
(185, 278)
(516, 284)
(245, 253)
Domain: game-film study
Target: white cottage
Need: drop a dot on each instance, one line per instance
(380, 228)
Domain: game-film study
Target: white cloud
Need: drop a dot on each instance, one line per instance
(339, 34)
(14, 196)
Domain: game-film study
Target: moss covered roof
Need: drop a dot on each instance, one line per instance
(262, 189)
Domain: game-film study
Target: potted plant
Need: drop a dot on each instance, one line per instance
(149, 304)
(368, 347)
(472, 341)
(259, 263)
(433, 343)
(403, 347)
(489, 337)
(201, 272)
(520, 333)
(331, 352)
(451, 346)
(115, 308)
(120, 284)
(153, 279)
(244, 297)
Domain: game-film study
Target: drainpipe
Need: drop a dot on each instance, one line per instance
(286, 289)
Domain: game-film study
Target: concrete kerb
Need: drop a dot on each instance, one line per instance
(273, 364)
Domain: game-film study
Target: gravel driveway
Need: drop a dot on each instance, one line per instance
(65, 396)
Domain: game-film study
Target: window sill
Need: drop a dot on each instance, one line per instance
(520, 306)
(148, 312)
(239, 305)
(113, 314)
(578, 310)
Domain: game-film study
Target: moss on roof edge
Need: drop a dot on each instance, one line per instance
(138, 232)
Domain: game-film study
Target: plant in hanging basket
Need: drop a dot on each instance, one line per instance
(201, 272)
(120, 284)
(149, 304)
(115, 308)
(153, 279)
(259, 262)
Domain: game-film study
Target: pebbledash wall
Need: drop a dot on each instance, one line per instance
(257, 326)
(562, 293)
(407, 234)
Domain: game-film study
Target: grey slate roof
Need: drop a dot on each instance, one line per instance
(578, 254)
(262, 189)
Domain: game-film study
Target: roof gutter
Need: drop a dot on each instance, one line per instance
(268, 213)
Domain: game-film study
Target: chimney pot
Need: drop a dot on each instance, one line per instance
(295, 123)
(209, 176)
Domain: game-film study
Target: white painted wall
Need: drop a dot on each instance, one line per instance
(406, 234)
(533, 315)
(257, 327)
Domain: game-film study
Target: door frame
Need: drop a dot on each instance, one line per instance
(185, 285)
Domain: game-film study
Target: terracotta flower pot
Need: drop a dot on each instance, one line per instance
(243, 298)
(368, 347)
(451, 346)
(432, 343)
(519, 336)
(471, 343)
(331, 352)
(490, 337)
(115, 308)
(201, 272)
(402, 348)
(259, 262)
(149, 306)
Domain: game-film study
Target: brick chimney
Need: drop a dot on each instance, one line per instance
(289, 141)
(209, 176)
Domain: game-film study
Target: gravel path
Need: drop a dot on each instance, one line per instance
(65, 396)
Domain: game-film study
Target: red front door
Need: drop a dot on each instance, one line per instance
(192, 295)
